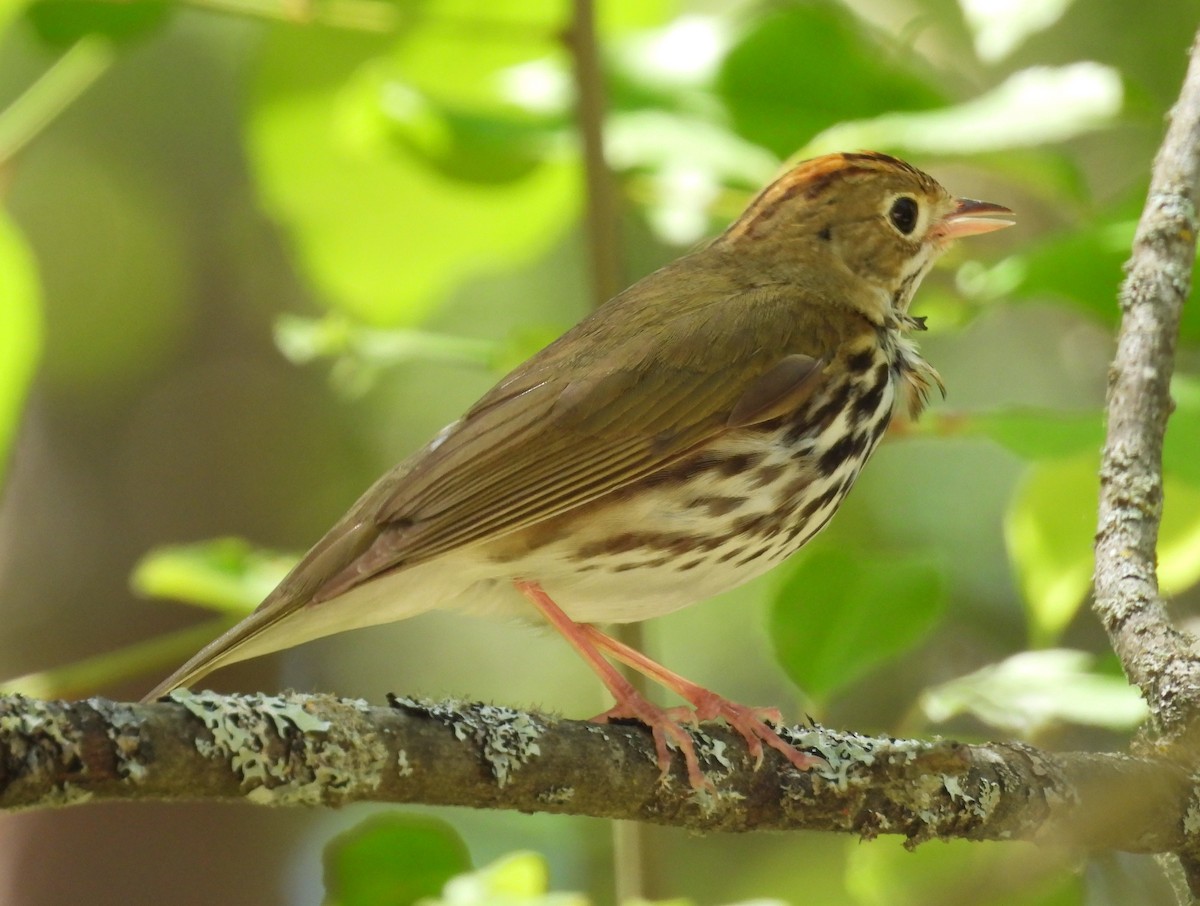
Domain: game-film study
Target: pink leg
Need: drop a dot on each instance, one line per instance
(630, 704)
(750, 722)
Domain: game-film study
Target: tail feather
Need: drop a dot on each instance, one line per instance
(228, 648)
(352, 535)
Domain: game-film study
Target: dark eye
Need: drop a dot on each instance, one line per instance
(903, 214)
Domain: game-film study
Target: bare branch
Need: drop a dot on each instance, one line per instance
(1160, 659)
(603, 211)
(319, 750)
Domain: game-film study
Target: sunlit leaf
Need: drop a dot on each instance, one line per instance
(1049, 528)
(517, 879)
(360, 353)
(839, 614)
(10, 11)
(392, 859)
(802, 68)
(227, 574)
(683, 54)
(961, 871)
(387, 213)
(464, 144)
(1031, 690)
(20, 331)
(1182, 441)
(689, 161)
(1032, 107)
(1001, 26)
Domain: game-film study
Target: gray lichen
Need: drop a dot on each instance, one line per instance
(846, 753)
(282, 751)
(44, 747)
(123, 727)
(506, 738)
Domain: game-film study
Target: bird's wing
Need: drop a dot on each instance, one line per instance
(563, 431)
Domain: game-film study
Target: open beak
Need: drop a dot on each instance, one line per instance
(970, 218)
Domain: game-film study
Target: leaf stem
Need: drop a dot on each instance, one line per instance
(70, 76)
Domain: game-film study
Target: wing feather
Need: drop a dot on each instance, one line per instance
(562, 432)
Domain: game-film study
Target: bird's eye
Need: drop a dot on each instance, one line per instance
(903, 214)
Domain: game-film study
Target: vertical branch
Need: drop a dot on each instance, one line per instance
(602, 213)
(631, 854)
(1159, 658)
(1155, 655)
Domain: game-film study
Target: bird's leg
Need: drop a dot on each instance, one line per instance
(662, 721)
(749, 722)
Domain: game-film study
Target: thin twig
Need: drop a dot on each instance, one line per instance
(1156, 656)
(603, 213)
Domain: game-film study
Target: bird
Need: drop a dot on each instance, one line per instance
(686, 436)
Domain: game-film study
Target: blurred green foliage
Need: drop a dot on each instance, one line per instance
(394, 859)
(390, 192)
(20, 331)
(843, 612)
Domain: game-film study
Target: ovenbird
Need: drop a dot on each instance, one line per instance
(687, 436)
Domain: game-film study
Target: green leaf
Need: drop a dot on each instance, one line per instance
(1027, 692)
(9, 12)
(1000, 28)
(517, 879)
(1086, 266)
(803, 68)
(1041, 433)
(20, 331)
(839, 614)
(1182, 440)
(63, 22)
(690, 162)
(466, 144)
(1032, 107)
(392, 860)
(374, 157)
(1049, 528)
(1083, 266)
(227, 574)
(91, 674)
(361, 353)
(961, 871)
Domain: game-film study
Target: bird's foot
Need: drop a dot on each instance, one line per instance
(754, 725)
(666, 725)
(750, 722)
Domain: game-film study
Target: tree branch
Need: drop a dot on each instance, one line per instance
(1163, 661)
(603, 216)
(319, 750)
(1160, 659)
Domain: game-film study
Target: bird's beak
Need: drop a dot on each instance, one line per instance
(970, 218)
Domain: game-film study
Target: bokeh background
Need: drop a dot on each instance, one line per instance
(253, 252)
